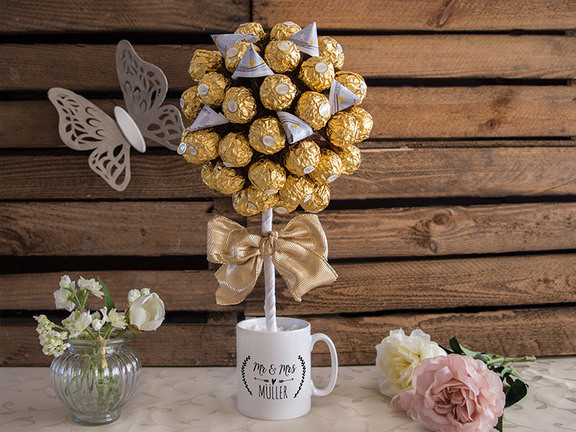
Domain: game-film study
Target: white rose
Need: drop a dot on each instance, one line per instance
(397, 357)
(147, 312)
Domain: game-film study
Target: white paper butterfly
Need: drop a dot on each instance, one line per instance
(84, 126)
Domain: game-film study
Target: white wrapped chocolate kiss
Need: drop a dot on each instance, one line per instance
(307, 40)
(341, 98)
(295, 128)
(225, 41)
(252, 65)
(208, 118)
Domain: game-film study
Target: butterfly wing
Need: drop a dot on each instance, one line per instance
(84, 126)
(144, 87)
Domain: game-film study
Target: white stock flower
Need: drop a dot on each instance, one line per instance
(133, 295)
(63, 296)
(91, 285)
(51, 340)
(117, 319)
(147, 312)
(99, 319)
(77, 322)
(397, 357)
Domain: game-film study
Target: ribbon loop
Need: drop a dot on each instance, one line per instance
(299, 252)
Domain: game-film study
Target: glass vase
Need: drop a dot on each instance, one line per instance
(95, 378)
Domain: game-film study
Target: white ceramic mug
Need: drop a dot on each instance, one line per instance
(274, 381)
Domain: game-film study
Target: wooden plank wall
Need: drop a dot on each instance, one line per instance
(461, 220)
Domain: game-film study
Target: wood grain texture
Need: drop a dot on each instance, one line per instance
(399, 113)
(546, 331)
(425, 15)
(385, 173)
(103, 228)
(65, 16)
(361, 287)
(92, 67)
(430, 231)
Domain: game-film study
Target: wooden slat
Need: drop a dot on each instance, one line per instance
(547, 331)
(385, 173)
(426, 15)
(399, 113)
(144, 229)
(57, 16)
(445, 230)
(92, 67)
(361, 287)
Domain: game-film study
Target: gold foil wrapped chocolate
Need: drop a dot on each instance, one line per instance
(207, 173)
(199, 146)
(204, 61)
(365, 122)
(252, 27)
(227, 180)
(239, 106)
(302, 158)
(297, 189)
(277, 92)
(314, 109)
(285, 207)
(266, 135)
(319, 200)
(331, 50)
(317, 73)
(343, 129)
(282, 56)
(242, 205)
(190, 103)
(284, 30)
(260, 200)
(234, 150)
(351, 159)
(235, 53)
(267, 175)
(212, 88)
(354, 82)
(329, 168)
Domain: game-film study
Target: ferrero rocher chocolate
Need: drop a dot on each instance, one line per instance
(351, 159)
(354, 82)
(241, 204)
(207, 173)
(365, 122)
(199, 146)
(317, 73)
(284, 30)
(251, 27)
(331, 50)
(314, 109)
(227, 180)
(319, 200)
(303, 157)
(343, 129)
(297, 189)
(234, 150)
(212, 88)
(190, 103)
(204, 61)
(235, 53)
(239, 106)
(285, 207)
(267, 175)
(266, 135)
(259, 199)
(282, 56)
(329, 168)
(277, 92)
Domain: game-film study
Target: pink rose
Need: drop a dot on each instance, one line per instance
(454, 393)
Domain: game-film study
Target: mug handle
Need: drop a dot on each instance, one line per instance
(333, 365)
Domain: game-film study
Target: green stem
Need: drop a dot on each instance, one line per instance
(91, 333)
(107, 331)
(505, 360)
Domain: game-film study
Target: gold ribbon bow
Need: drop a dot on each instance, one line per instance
(299, 252)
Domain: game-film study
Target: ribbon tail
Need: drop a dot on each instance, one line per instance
(237, 281)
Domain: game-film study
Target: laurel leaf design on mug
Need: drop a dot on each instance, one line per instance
(243, 371)
(303, 375)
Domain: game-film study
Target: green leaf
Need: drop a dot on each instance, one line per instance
(459, 349)
(516, 392)
(109, 302)
(500, 425)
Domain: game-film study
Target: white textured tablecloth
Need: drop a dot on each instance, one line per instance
(203, 399)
